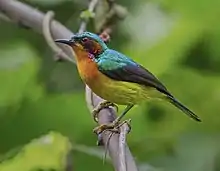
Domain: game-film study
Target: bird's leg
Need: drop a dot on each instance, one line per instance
(100, 106)
(125, 122)
(115, 125)
(118, 119)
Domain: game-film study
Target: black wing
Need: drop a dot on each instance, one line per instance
(136, 74)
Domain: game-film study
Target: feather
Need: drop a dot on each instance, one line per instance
(121, 68)
(183, 108)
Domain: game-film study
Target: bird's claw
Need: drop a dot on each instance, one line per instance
(113, 127)
(100, 106)
(104, 127)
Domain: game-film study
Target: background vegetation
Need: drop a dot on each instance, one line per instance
(177, 40)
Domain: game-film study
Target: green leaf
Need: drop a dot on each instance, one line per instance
(47, 152)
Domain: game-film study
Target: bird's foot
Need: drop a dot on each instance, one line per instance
(114, 127)
(100, 106)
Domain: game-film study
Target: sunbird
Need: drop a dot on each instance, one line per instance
(115, 77)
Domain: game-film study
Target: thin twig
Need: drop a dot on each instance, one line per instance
(91, 151)
(48, 37)
(91, 8)
(114, 14)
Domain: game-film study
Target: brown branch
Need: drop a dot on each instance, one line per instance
(21, 13)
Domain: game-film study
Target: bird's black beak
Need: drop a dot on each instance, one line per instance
(65, 41)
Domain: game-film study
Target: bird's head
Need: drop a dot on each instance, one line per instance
(87, 42)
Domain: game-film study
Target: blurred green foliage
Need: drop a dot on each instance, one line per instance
(49, 145)
(177, 40)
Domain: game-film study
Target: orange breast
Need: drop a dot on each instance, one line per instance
(87, 68)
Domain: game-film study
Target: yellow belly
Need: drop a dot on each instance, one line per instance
(120, 92)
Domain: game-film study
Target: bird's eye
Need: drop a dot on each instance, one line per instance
(85, 39)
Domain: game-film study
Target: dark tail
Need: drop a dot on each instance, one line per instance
(180, 106)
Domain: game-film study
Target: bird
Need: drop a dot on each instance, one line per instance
(116, 78)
